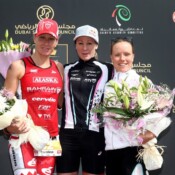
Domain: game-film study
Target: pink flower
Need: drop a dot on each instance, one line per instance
(140, 123)
(131, 134)
(9, 95)
(162, 103)
(140, 140)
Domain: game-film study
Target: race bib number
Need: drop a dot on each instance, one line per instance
(53, 148)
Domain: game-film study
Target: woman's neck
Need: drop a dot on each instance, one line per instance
(40, 61)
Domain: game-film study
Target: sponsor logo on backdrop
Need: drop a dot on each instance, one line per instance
(66, 29)
(42, 12)
(121, 15)
(142, 68)
(45, 11)
(173, 16)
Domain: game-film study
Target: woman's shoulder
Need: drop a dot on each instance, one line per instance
(71, 64)
(107, 64)
(60, 67)
(18, 64)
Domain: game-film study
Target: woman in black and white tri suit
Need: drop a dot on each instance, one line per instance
(81, 136)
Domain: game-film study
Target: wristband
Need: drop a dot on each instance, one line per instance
(6, 132)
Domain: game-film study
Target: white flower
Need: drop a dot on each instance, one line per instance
(3, 104)
(146, 105)
(136, 101)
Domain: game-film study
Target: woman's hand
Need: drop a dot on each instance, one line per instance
(147, 136)
(18, 126)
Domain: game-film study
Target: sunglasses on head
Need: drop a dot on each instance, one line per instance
(128, 39)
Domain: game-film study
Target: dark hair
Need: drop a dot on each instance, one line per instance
(120, 39)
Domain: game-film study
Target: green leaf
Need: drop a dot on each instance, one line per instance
(140, 98)
(100, 109)
(119, 111)
(6, 34)
(126, 102)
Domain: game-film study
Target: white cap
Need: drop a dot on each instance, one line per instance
(87, 30)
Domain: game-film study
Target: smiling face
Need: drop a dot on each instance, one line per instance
(86, 47)
(45, 44)
(122, 56)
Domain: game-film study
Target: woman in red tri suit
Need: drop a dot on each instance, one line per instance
(41, 81)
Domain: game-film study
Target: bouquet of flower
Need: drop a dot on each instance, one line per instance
(10, 52)
(137, 108)
(128, 104)
(11, 107)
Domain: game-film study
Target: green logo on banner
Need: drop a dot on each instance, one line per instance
(121, 13)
